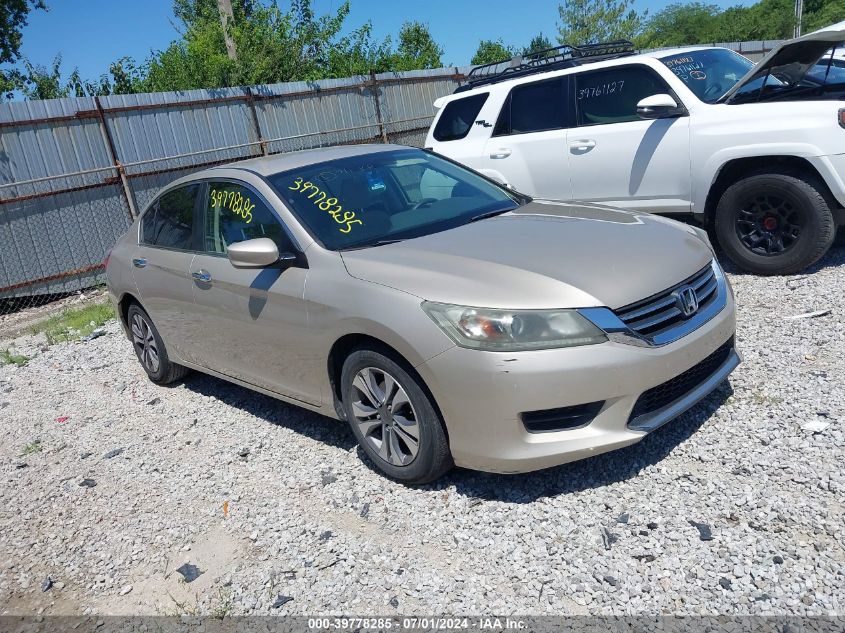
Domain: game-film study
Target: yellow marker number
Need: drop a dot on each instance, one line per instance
(235, 201)
(329, 205)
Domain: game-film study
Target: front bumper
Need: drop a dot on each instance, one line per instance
(482, 394)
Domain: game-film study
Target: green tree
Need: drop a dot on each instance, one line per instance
(591, 21)
(538, 43)
(821, 13)
(13, 17)
(275, 46)
(417, 49)
(682, 23)
(490, 51)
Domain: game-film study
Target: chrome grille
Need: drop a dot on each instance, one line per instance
(659, 314)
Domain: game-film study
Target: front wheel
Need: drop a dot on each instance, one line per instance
(393, 418)
(774, 223)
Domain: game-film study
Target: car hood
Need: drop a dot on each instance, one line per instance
(794, 57)
(541, 255)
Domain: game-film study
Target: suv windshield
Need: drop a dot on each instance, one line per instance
(386, 196)
(708, 73)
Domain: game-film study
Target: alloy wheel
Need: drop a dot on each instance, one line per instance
(768, 225)
(385, 416)
(145, 344)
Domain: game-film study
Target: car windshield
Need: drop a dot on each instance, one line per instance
(373, 198)
(708, 73)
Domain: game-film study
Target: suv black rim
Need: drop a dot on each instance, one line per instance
(768, 225)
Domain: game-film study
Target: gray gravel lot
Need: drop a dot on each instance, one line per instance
(736, 507)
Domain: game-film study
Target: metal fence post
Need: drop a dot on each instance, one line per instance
(250, 100)
(107, 139)
(374, 87)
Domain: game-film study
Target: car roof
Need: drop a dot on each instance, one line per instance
(268, 165)
(604, 63)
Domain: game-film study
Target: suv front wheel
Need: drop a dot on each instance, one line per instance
(774, 223)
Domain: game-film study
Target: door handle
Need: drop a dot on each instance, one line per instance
(502, 152)
(139, 262)
(202, 275)
(583, 144)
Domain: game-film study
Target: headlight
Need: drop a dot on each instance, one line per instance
(513, 330)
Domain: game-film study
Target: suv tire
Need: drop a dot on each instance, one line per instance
(149, 348)
(774, 223)
(393, 418)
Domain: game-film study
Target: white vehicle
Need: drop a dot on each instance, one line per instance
(757, 153)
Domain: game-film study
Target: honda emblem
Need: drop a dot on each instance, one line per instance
(686, 300)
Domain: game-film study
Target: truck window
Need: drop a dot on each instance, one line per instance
(611, 95)
(458, 117)
(534, 107)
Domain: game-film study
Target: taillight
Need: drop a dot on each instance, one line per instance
(842, 117)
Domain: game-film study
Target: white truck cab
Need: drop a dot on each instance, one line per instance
(755, 152)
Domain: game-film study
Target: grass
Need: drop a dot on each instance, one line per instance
(74, 323)
(32, 447)
(224, 605)
(760, 398)
(182, 608)
(8, 357)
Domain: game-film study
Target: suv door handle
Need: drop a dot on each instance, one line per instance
(583, 144)
(139, 262)
(502, 152)
(202, 275)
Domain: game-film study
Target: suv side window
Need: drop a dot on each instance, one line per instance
(534, 107)
(235, 213)
(169, 222)
(458, 117)
(611, 95)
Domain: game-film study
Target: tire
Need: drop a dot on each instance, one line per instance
(366, 377)
(774, 223)
(149, 348)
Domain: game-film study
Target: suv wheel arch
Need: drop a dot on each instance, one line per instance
(738, 168)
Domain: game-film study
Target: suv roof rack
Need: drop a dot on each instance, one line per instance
(555, 58)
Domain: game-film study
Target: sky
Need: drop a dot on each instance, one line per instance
(90, 34)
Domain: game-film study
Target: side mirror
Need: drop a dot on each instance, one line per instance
(660, 106)
(256, 253)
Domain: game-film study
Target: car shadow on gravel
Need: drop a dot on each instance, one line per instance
(313, 425)
(594, 472)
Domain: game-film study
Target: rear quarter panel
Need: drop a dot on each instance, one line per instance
(120, 280)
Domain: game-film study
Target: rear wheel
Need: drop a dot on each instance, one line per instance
(774, 223)
(149, 348)
(393, 419)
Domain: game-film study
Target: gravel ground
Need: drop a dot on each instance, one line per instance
(129, 488)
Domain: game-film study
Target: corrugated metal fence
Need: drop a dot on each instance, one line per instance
(75, 172)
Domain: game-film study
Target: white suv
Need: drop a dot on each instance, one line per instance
(755, 152)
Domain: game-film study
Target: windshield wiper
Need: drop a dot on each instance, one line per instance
(488, 214)
(358, 247)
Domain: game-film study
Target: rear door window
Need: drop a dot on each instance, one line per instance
(611, 95)
(169, 222)
(236, 213)
(458, 117)
(534, 107)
